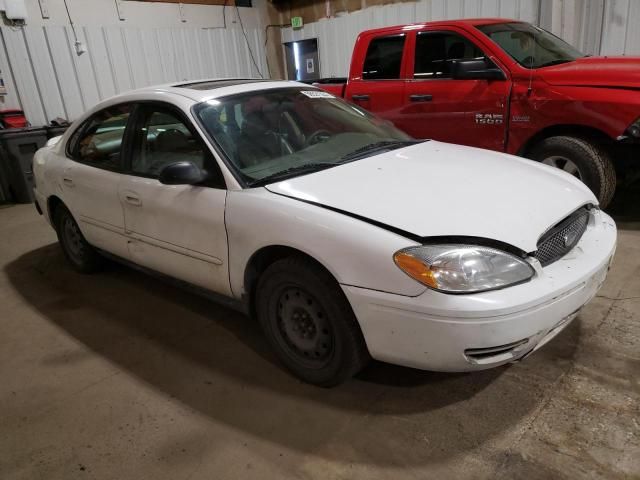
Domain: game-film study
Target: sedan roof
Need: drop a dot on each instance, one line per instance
(208, 89)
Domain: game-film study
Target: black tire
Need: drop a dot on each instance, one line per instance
(593, 163)
(327, 347)
(82, 256)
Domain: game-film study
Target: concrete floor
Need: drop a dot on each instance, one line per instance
(121, 376)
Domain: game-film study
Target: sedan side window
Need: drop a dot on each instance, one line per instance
(435, 51)
(162, 138)
(100, 139)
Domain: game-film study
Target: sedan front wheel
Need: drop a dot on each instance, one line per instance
(309, 322)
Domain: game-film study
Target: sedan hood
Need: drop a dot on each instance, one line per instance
(439, 189)
(613, 72)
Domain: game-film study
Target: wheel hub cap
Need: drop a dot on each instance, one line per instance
(73, 237)
(303, 326)
(565, 164)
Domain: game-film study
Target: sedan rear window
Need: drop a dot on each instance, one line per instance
(99, 140)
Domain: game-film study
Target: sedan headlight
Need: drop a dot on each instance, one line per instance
(462, 268)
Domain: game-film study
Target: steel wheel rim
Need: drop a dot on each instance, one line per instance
(303, 328)
(73, 238)
(563, 163)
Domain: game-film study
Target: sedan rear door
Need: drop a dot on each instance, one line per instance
(91, 177)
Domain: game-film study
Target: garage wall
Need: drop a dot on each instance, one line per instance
(607, 27)
(47, 79)
(129, 13)
(621, 27)
(597, 27)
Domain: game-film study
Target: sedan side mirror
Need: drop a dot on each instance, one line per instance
(475, 69)
(182, 173)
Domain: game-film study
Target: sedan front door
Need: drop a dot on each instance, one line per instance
(177, 230)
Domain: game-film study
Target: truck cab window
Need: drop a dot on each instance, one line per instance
(435, 52)
(384, 58)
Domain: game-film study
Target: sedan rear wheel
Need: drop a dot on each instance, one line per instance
(309, 322)
(82, 256)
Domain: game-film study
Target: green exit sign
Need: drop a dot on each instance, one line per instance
(296, 22)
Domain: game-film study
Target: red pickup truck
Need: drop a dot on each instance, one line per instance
(504, 85)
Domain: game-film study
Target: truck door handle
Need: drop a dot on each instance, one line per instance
(68, 182)
(420, 98)
(133, 200)
(358, 98)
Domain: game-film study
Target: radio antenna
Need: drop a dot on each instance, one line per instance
(532, 57)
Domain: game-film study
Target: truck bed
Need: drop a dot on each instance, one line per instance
(334, 86)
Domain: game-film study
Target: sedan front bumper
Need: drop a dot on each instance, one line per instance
(436, 331)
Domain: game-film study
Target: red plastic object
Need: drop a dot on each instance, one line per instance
(13, 118)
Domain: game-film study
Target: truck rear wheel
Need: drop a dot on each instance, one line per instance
(582, 158)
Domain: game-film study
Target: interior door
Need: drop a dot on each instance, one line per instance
(91, 178)
(177, 230)
(381, 86)
(302, 60)
(467, 112)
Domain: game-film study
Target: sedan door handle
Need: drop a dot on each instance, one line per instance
(133, 200)
(420, 98)
(68, 182)
(360, 97)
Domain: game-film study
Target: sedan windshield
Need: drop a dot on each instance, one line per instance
(530, 46)
(271, 135)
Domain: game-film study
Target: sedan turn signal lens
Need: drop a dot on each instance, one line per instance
(415, 268)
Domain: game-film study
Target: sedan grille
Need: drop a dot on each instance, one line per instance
(559, 240)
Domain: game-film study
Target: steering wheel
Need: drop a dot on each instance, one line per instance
(317, 137)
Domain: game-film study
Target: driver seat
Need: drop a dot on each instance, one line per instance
(257, 140)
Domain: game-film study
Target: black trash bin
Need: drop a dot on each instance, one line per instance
(17, 147)
(56, 131)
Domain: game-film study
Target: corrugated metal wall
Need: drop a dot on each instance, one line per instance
(621, 27)
(336, 36)
(47, 79)
(607, 27)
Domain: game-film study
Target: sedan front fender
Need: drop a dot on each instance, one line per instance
(355, 252)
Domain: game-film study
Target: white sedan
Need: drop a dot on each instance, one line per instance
(344, 237)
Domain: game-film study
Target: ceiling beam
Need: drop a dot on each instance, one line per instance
(194, 2)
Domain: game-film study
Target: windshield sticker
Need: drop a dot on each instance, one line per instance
(316, 94)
